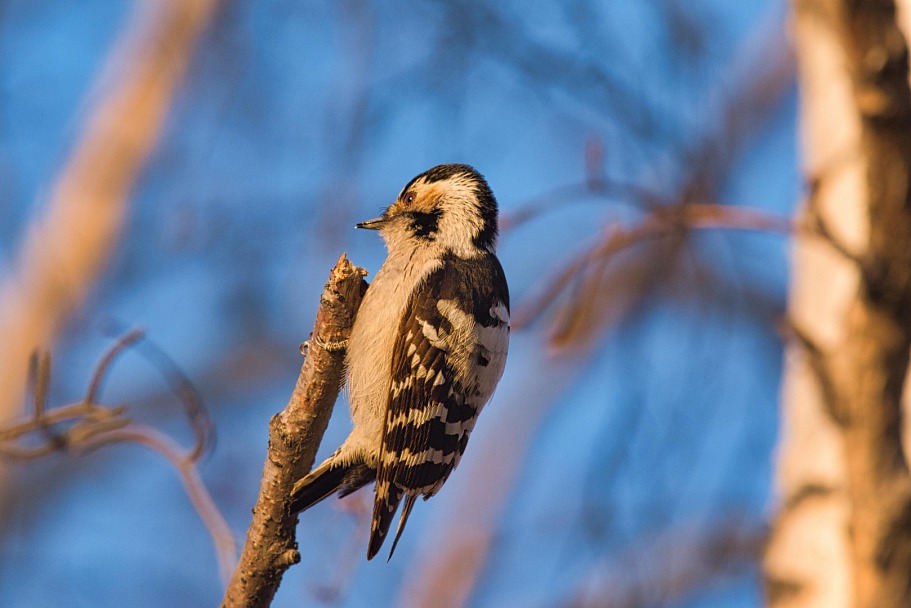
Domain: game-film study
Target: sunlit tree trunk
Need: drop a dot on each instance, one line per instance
(843, 533)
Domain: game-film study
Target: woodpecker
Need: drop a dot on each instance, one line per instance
(426, 351)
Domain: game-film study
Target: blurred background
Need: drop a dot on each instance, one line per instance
(627, 457)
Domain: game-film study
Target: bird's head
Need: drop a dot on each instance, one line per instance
(449, 207)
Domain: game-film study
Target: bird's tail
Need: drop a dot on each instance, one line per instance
(386, 503)
(331, 476)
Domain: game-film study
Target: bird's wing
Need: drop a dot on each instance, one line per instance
(448, 357)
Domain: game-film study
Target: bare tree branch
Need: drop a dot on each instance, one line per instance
(294, 437)
(843, 414)
(70, 243)
(664, 222)
(87, 425)
(185, 464)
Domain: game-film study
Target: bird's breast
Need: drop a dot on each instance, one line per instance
(373, 337)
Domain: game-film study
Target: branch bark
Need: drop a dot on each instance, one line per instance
(846, 483)
(878, 333)
(294, 437)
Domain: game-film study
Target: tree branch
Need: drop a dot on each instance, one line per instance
(875, 352)
(294, 437)
(660, 223)
(70, 243)
(87, 425)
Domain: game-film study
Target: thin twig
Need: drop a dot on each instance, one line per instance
(92, 426)
(185, 465)
(84, 415)
(600, 187)
(198, 416)
(665, 222)
(101, 370)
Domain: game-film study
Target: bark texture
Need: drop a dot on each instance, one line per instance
(294, 437)
(843, 537)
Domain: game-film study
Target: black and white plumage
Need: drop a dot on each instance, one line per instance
(426, 351)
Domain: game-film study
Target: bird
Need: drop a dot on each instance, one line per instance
(426, 351)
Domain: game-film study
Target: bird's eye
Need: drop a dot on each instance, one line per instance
(409, 198)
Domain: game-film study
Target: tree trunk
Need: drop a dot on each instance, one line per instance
(843, 535)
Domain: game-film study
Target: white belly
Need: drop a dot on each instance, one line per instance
(369, 359)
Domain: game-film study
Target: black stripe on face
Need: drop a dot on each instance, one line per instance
(424, 225)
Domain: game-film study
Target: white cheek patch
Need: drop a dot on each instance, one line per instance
(461, 221)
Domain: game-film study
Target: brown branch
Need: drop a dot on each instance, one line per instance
(88, 418)
(875, 350)
(185, 465)
(597, 186)
(661, 223)
(294, 437)
(70, 243)
(86, 426)
(819, 363)
(857, 101)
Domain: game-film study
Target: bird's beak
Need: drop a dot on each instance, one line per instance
(374, 224)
